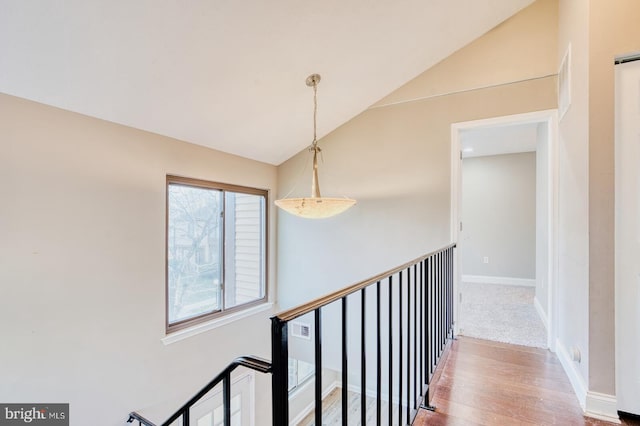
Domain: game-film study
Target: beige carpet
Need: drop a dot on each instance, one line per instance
(503, 313)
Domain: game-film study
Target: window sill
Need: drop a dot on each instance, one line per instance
(215, 323)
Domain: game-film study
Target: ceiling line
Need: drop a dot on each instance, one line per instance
(455, 92)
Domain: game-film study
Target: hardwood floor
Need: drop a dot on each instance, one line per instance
(487, 383)
(491, 383)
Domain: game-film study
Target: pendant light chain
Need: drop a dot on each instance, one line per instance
(315, 115)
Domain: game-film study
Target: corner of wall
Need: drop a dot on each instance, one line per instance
(541, 313)
(573, 373)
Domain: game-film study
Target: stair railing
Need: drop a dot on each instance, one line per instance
(413, 316)
(251, 362)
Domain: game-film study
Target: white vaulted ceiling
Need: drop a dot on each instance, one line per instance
(229, 74)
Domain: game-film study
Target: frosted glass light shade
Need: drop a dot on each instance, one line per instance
(315, 207)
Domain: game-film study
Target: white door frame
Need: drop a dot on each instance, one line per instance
(550, 117)
(627, 228)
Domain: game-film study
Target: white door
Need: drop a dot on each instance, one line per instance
(627, 236)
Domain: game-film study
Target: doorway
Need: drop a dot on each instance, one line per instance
(488, 141)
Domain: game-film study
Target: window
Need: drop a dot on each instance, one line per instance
(215, 251)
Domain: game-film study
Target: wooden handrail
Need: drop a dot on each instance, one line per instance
(298, 311)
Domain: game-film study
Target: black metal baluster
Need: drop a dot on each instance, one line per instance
(378, 359)
(423, 329)
(415, 336)
(390, 351)
(400, 372)
(345, 377)
(425, 399)
(318, 358)
(185, 417)
(428, 328)
(421, 333)
(443, 337)
(430, 316)
(436, 333)
(434, 336)
(445, 286)
(446, 297)
(439, 307)
(445, 289)
(363, 364)
(280, 372)
(427, 319)
(449, 282)
(226, 399)
(408, 345)
(451, 292)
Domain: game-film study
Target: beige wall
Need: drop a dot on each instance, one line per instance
(395, 160)
(528, 38)
(82, 254)
(573, 193)
(499, 216)
(613, 31)
(598, 31)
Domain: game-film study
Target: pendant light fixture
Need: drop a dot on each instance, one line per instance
(315, 206)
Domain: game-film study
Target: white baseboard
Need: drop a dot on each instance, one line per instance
(602, 406)
(570, 367)
(484, 279)
(541, 313)
(311, 406)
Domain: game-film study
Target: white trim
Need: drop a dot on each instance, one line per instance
(215, 323)
(454, 224)
(524, 118)
(311, 406)
(541, 313)
(602, 406)
(570, 368)
(485, 279)
(564, 83)
(552, 237)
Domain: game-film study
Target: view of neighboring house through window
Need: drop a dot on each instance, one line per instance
(216, 249)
